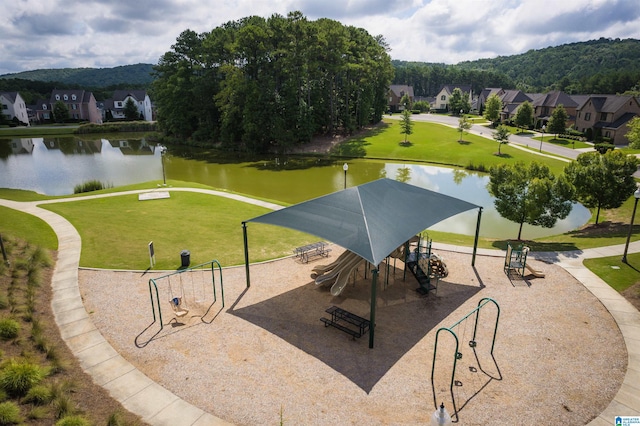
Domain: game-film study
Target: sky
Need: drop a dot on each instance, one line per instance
(37, 34)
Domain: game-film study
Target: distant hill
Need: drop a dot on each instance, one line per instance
(597, 66)
(136, 75)
(566, 64)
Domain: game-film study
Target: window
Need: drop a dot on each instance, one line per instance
(443, 97)
(74, 106)
(46, 116)
(44, 107)
(66, 97)
(5, 106)
(603, 116)
(607, 134)
(57, 97)
(73, 97)
(587, 116)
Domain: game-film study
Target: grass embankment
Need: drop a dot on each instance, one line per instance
(40, 380)
(437, 144)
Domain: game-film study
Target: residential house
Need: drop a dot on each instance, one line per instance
(443, 96)
(484, 95)
(80, 103)
(606, 116)
(511, 101)
(545, 104)
(115, 106)
(14, 108)
(396, 92)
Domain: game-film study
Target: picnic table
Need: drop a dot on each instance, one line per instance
(304, 253)
(341, 320)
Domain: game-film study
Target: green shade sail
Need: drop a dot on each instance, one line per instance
(370, 220)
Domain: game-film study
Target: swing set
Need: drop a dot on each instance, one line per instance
(474, 344)
(186, 290)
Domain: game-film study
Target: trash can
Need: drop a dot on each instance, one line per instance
(185, 256)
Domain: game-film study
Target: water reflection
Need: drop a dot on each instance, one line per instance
(54, 166)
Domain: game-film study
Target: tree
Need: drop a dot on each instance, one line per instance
(524, 115)
(603, 181)
(530, 193)
(634, 133)
(501, 135)
(406, 124)
(463, 125)
(60, 112)
(458, 102)
(493, 108)
(131, 110)
(558, 121)
(406, 101)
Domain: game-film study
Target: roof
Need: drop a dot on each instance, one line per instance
(514, 97)
(138, 95)
(10, 96)
(553, 99)
(371, 220)
(400, 89)
(465, 88)
(621, 121)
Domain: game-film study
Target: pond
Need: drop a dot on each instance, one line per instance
(53, 166)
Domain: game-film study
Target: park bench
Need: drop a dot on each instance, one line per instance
(341, 320)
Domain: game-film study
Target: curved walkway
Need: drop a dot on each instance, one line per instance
(157, 406)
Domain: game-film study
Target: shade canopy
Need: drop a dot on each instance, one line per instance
(371, 220)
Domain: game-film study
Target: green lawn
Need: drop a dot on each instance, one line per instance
(37, 131)
(116, 231)
(438, 144)
(614, 272)
(567, 143)
(21, 225)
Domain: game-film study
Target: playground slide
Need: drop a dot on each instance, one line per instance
(343, 278)
(330, 277)
(321, 269)
(534, 272)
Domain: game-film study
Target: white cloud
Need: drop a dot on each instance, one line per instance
(105, 33)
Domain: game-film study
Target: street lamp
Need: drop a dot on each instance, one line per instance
(633, 215)
(345, 167)
(543, 128)
(163, 150)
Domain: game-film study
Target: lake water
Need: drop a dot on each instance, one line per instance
(53, 166)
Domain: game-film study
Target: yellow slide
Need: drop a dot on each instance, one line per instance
(332, 275)
(321, 269)
(343, 276)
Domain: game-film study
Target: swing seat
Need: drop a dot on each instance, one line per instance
(176, 305)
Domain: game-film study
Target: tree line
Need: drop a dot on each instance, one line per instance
(260, 85)
(601, 66)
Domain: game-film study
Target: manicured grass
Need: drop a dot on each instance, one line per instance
(438, 144)
(27, 227)
(37, 131)
(116, 231)
(614, 272)
(567, 143)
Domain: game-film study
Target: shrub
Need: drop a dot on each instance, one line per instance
(9, 413)
(38, 395)
(74, 420)
(91, 185)
(9, 328)
(602, 148)
(17, 377)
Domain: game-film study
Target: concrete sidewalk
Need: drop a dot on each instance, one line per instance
(158, 406)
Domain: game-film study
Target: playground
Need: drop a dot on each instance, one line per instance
(266, 357)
